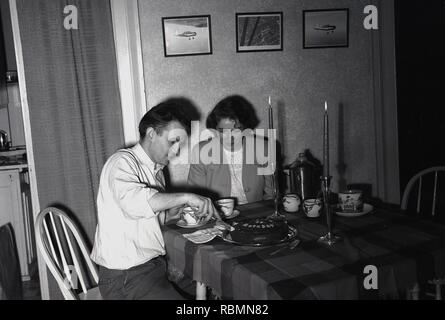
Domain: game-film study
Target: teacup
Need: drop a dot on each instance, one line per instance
(226, 205)
(350, 200)
(312, 207)
(291, 202)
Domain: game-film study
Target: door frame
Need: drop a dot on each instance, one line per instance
(127, 39)
(43, 276)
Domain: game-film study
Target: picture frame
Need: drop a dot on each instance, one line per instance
(187, 35)
(326, 28)
(259, 31)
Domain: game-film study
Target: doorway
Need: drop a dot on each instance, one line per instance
(15, 182)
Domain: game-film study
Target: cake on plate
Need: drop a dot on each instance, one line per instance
(259, 231)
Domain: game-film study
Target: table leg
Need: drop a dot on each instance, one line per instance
(413, 292)
(201, 291)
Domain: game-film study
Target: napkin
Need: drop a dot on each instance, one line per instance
(203, 236)
(206, 235)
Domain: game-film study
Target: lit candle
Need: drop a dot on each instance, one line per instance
(270, 115)
(326, 141)
(271, 138)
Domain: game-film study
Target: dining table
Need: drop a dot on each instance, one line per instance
(399, 250)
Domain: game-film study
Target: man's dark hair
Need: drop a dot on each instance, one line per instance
(161, 115)
(236, 108)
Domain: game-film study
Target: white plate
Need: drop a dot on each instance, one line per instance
(183, 224)
(234, 214)
(367, 208)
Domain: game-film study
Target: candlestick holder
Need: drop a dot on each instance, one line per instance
(276, 215)
(329, 238)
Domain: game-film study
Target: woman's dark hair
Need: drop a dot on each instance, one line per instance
(161, 115)
(236, 108)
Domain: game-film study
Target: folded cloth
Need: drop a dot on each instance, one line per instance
(203, 236)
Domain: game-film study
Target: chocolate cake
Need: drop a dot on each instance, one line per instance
(259, 231)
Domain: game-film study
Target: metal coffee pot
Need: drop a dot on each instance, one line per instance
(4, 143)
(302, 177)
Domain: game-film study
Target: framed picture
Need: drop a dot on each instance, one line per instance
(187, 35)
(259, 31)
(325, 28)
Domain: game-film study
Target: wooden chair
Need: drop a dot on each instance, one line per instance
(418, 179)
(65, 255)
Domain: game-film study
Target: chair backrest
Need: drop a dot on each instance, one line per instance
(419, 177)
(59, 242)
(10, 277)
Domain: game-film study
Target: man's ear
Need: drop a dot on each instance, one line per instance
(150, 133)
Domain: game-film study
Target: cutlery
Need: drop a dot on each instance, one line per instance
(289, 246)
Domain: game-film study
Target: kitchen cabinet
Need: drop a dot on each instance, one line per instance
(15, 208)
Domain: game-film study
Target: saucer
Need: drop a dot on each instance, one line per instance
(181, 223)
(367, 208)
(234, 214)
(310, 216)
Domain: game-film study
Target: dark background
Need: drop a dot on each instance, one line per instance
(420, 58)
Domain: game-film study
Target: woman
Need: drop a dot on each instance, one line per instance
(237, 173)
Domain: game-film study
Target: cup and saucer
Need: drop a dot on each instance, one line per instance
(226, 206)
(291, 202)
(351, 205)
(234, 214)
(312, 207)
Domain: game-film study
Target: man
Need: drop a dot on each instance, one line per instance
(132, 203)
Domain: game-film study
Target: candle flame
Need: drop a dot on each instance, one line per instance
(269, 101)
(325, 106)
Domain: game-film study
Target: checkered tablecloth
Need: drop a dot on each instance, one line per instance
(404, 250)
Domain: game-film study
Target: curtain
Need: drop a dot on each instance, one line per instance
(74, 103)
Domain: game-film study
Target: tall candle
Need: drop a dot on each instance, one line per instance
(271, 126)
(326, 141)
(270, 115)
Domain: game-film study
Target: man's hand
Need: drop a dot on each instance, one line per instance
(203, 206)
(174, 213)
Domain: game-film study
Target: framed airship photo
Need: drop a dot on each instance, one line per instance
(187, 35)
(325, 28)
(259, 31)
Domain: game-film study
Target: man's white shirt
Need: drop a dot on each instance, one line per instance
(128, 231)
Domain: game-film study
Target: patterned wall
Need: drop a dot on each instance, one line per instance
(299, 80)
